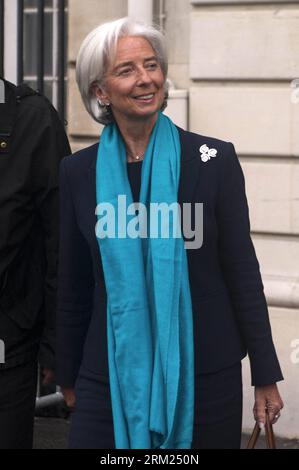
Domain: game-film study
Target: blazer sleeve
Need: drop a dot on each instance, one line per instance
(242, 273)
(75, 288)
(51, 146)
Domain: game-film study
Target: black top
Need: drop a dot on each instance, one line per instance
(134, 175)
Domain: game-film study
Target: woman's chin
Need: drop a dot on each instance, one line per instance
(144, 112)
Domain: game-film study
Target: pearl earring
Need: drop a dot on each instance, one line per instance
(101, 103)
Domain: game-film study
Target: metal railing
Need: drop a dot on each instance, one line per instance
(2, 37)
(20, 41)
(44, 401)
(49, 400)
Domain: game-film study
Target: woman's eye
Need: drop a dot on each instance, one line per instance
(152, 66)
(125, 71)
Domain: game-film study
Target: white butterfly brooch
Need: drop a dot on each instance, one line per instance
(207, 153)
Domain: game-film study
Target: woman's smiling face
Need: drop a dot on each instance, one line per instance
(134, 82)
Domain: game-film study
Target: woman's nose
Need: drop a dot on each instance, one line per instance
(143, 76)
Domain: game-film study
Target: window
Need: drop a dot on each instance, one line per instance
(50, 56)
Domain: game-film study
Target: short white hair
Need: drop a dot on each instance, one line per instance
(98, 50)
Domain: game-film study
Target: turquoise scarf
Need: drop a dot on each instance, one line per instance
(149, 311)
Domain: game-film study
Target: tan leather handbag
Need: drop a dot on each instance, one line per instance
(270, 438)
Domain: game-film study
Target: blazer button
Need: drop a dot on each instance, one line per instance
(3, 145)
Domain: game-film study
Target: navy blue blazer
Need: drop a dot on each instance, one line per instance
(229, 308)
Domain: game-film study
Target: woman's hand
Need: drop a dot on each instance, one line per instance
(69, 397)
(267, 398)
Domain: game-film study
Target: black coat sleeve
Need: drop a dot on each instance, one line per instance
(51, 146)
(75, 287)
(242, 273)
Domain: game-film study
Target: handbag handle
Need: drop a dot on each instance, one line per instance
(270, 438)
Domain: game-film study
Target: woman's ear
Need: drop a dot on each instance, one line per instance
(99, 93)
(96, 91)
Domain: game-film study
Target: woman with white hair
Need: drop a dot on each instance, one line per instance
(151, 329)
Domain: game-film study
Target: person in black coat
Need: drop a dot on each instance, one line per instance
(32, 143)
(230, 316)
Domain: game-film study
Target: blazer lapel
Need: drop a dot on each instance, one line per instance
(190, 168)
